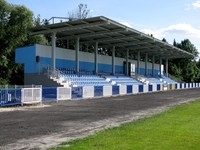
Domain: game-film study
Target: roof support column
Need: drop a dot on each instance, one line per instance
(153, 66)
(160, 67)
(146, 64)
(127, 64)
(166, 68)
(96, 58)
(67, 44)
(77, 55)
(113, 60)
(138, 62)
(53, 53)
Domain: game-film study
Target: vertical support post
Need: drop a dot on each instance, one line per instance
(113, 60)
(67, 44)
(138, 62)
(127, 64)
(146, 64)
(153, 66)
(166, 67)
(77, 54)
(53, 54)
(160, 67)
(96, 58)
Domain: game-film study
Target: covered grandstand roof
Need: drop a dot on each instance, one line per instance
(111, 33)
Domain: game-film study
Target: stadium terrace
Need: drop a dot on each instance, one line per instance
(74, 74)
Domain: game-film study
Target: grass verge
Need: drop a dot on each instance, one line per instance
(175, 129)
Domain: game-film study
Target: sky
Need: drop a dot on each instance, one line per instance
(169, 19)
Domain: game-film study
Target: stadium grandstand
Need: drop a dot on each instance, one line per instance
(53, 66)
(53, 73)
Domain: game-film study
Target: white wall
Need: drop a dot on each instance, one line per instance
(61, 53)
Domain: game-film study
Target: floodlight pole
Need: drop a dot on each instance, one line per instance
(146, 64)
(96, 58)
(127, 64)
(113, 60)
(77, 54)
(53, 40)
(138, 62)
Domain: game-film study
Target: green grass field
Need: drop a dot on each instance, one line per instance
(175, 129)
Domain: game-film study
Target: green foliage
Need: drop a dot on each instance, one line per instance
(176, 129)
(186, 69)
(14, 23)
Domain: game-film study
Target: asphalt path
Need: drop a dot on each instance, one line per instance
(41, 127)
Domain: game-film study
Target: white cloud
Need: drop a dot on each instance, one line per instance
(194, 5)
(180, 29)
(126, 24)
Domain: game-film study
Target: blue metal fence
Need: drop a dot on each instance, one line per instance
(129, 89)
(98, 91)
(141, 88)
(49, 94)
(10, 96)
(158, 87)
(115, 90)
(150, 88)
(77, 92)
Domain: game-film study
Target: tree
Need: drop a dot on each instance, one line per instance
(14, 23)
(185, 68)
(81, 12)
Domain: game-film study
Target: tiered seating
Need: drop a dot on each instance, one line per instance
(150, 80)
(121, 80)
(167, 80)
(83, 80)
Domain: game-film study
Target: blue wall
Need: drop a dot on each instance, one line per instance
(27, 56)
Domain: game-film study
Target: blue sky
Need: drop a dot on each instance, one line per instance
(170, 19)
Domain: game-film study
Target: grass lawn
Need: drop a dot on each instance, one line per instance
(176, 129)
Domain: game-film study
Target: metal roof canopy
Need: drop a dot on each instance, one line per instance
(110, 33)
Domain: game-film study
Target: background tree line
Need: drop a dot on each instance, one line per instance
(15, 20)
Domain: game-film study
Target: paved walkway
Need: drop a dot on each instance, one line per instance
(48, 125)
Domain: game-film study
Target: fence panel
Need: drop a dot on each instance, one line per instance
(154, 89)
(197, 85)
(193, 85)
(178, 86)
(63, 93)
(107, 90)
(77, 92)
(88, 91)
(31, 95)
(115, 90)
(183, 85)
(129, 89)
(158, 87)
(151, 88)
(135, 89)
(10, 96)
(122, 89)
(98, 91)
(173, 87)
(49, 94)
(186, 85)
(141, 88)
(145, 88)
